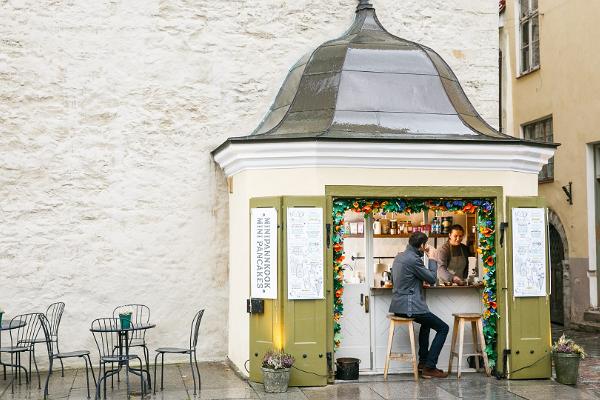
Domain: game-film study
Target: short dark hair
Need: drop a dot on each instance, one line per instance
(457, 227)
(417, 239)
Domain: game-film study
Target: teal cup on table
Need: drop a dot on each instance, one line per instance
(125, 320)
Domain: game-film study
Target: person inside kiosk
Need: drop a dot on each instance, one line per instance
(453, 256)
(409, 275)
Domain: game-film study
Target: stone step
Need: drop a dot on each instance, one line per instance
(591, 316)
(586, 326)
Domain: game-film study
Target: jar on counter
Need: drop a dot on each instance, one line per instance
(409, 227)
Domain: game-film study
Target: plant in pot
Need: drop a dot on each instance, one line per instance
(125, 317)
(566, 355)
(276, 371)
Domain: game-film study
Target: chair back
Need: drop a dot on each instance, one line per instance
(140, 314)
(53, 316)
(106, 336)
(26, 334)
(45, 324)
(195, 328)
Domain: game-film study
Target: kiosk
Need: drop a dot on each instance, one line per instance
(371, 127)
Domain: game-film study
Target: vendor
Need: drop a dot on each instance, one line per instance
(453, 256)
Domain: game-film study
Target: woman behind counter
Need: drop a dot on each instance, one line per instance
(453, 256)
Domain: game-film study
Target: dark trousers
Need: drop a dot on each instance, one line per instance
(429, 355)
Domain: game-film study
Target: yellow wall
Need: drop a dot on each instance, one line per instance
(567, 86)
(312, 182)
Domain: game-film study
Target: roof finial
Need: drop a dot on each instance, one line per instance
(363, 5)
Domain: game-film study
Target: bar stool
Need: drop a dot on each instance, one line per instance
(476, 321)
(412, 357)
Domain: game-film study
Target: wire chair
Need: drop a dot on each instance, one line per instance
(55, 354)
(53, 315)
(140, 315)
(26, 332)
(194, 329)
(106, 332)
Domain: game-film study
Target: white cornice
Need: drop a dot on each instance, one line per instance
(237, 157)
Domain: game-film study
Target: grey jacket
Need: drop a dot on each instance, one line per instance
(408, 274)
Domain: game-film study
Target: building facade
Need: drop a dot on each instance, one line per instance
(549, 92)
(109, 111)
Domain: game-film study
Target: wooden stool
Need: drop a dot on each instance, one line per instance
(412, 357)
(478, 341)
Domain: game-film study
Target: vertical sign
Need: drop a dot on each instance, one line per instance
(529, 252)
(305, 253)
(263, 253)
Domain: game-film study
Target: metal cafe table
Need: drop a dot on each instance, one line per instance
(6, 326)
(104, 331)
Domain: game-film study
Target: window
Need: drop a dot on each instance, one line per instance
(529, 35)
(541, 131)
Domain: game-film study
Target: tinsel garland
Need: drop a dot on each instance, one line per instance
(484, 208)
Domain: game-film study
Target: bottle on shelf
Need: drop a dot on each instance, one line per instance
(409, 227)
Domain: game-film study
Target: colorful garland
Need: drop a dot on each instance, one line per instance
(484, 208)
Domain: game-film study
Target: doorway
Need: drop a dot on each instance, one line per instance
(557, 257)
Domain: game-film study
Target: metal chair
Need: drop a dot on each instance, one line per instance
(181, 350)
(54, 314)
(107, 337)
(57, 355)
(21, 339)
(140, 315)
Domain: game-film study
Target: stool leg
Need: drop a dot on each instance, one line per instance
(413, 353)
(389, 349)
(461, 337)
(475, 343)
(482, 344)
(453, 345)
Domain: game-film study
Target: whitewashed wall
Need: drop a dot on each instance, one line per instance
(108, 113)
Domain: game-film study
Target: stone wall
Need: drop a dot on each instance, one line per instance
(108, 113)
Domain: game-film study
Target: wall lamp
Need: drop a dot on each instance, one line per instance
(569, 192)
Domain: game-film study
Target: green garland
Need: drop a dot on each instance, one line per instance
(484, 208)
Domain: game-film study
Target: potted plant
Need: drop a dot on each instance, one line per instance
(566, 355)
(276, 371)
(125, 317)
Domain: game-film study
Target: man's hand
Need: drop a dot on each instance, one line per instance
(457, 280)
(425, 284)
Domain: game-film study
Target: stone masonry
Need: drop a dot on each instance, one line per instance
(108, 113)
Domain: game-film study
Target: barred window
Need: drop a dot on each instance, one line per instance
(529, 35)
(541, 131)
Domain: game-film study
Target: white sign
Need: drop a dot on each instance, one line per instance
(529, 252)
(305, 253)
(263, 253)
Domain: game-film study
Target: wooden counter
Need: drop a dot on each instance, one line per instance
(388, 291)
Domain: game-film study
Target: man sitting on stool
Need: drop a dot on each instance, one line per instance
(408, 301)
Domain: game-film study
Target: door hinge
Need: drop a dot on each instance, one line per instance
(503, 227)
(328, 228)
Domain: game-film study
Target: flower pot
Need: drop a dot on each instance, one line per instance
(567, 367)
(276, 380)
(125, 320)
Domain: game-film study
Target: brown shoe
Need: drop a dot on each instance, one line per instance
(421, 366)
(434, 373)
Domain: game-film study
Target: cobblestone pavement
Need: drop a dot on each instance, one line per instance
(220, 382)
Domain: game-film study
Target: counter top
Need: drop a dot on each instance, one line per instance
(382, 290)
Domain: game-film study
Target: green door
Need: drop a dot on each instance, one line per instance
(528, 317)
(304, 330)
(265, 328)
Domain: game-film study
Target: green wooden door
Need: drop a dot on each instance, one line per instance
(265, 328)
(528, 317)
(304, 330)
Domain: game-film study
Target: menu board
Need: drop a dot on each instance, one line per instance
(529, 252)
(305, 253)
(263, 253)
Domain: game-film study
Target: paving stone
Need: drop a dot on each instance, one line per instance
(342, 391)
(424, 389)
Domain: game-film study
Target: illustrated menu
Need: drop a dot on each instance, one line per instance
(529, 252)
(305, 253)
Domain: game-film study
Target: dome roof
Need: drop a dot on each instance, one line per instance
(370, 84)
(371, 99)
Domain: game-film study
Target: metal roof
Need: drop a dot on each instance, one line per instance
(371, 85)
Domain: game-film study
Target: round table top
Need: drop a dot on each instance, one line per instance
(118, 328)
(7, 325)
